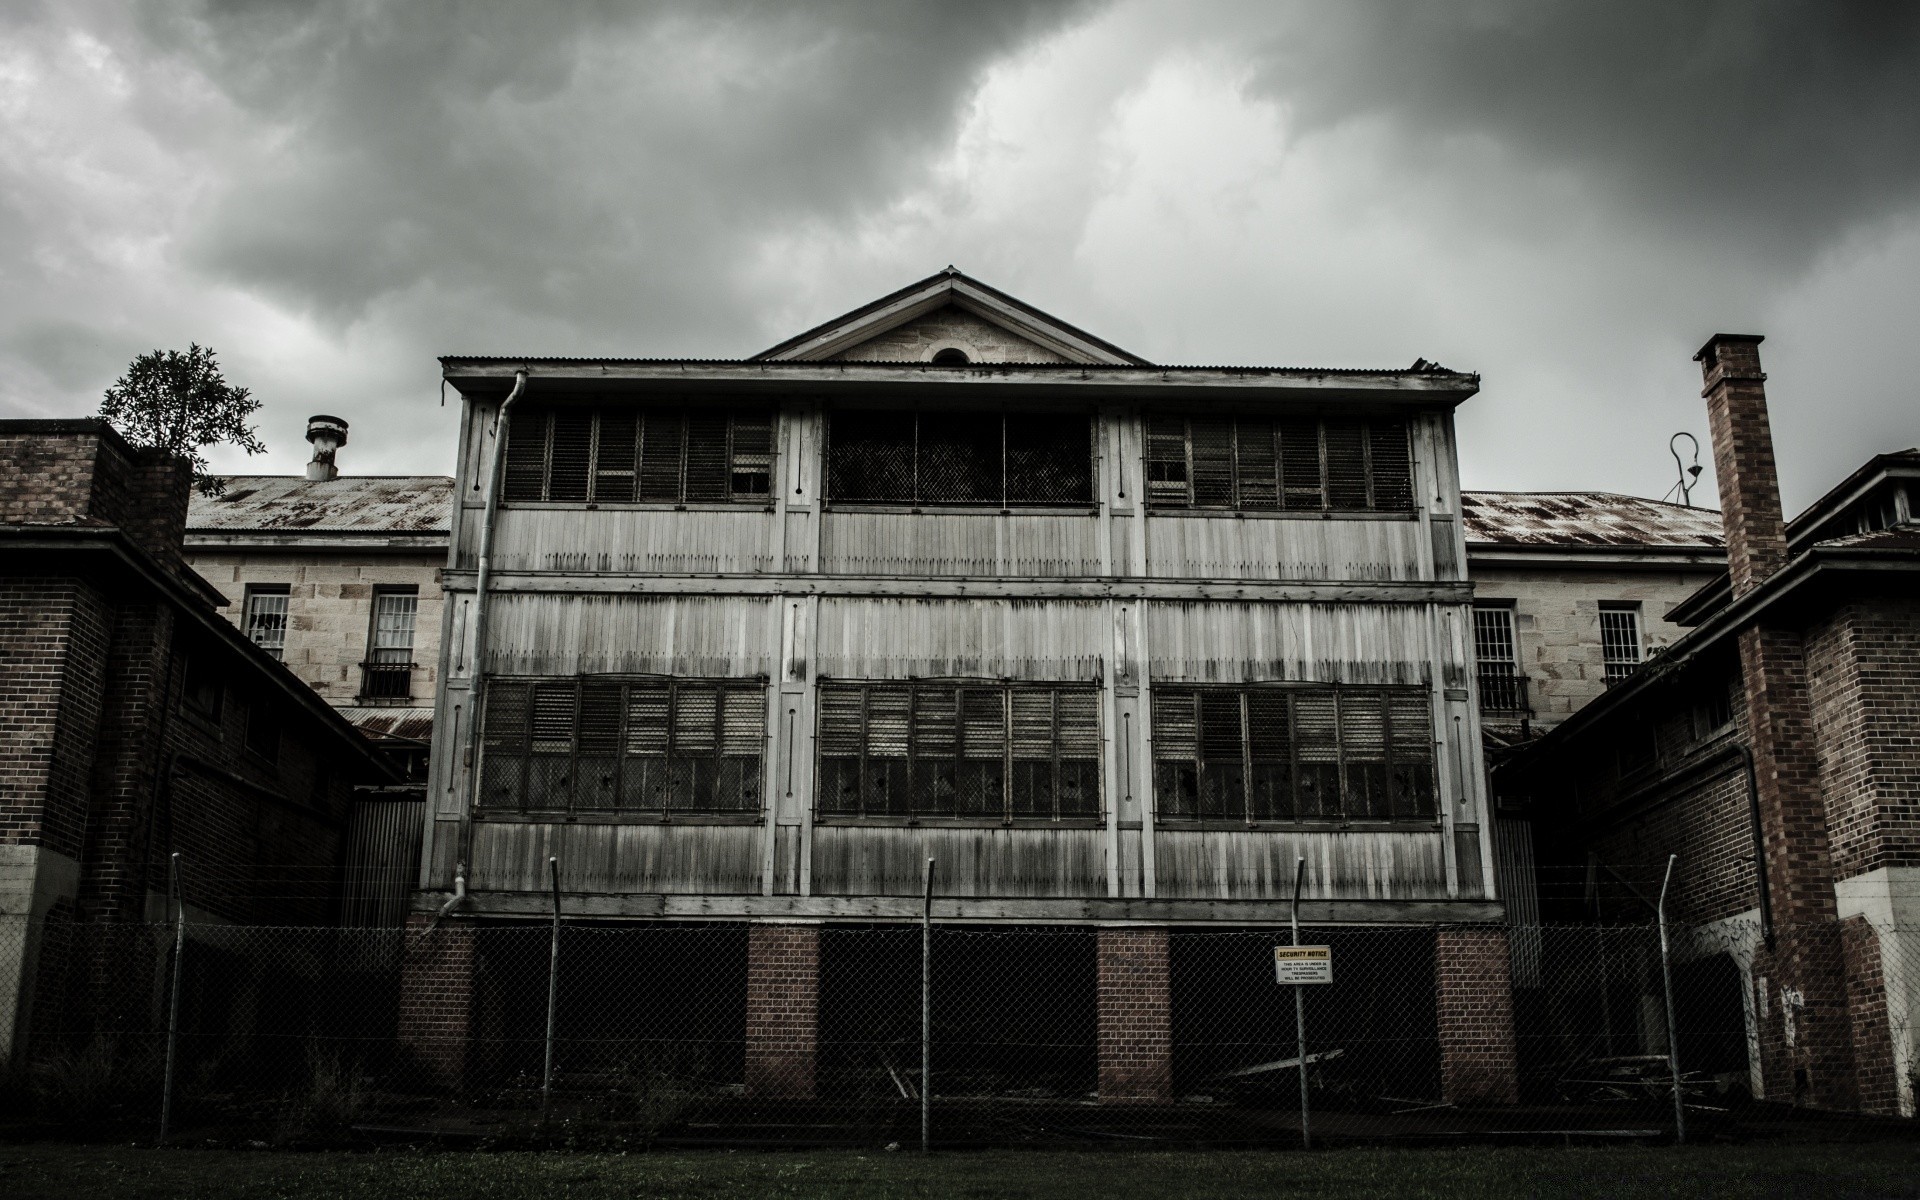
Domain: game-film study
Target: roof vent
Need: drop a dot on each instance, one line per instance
(327, 434)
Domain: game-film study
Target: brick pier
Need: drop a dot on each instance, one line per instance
(1473, 980)
(783, 1010)
(1136, 1017)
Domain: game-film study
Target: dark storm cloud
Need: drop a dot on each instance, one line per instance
(604, 165)
(1762, 126)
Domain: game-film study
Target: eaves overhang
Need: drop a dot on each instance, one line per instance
(488, 380)
(1573, 557)
(107, 551)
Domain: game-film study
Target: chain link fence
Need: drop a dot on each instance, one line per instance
(640, 1034)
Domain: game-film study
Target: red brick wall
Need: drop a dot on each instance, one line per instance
(1473, 981)
(1879, 1090)
(1135, 1016)
(436, 998)
(1863, 669)
(53, 649)
(1743, 462)
(47, 480)
(783, 1010)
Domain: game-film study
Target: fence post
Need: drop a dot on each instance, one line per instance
(553, 991)
(1300, 1010)
(173, 1002)
(926, 1013)
(1673, 1031)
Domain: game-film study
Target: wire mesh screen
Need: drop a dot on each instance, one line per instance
(692, 1033)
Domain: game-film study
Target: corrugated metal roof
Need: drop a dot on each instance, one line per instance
(1587, 519)
(1423, 368)
(353, 503)
(379, 724)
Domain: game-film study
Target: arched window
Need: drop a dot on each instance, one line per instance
(950, 357)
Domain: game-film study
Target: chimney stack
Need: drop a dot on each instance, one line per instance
(1736, 396)
(327, 434)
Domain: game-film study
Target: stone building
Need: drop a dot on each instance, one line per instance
(135, 723)
(1113, 644)
(338, 577)
(1772, 748)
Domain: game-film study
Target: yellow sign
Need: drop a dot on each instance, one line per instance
(1303, 964)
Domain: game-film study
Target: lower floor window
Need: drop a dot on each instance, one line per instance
(651, 745)
(1285, 753)
(987, 751)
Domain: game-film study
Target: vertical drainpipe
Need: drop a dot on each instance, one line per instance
(483, 578)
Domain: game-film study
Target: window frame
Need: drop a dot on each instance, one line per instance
(249, 610)
(1090, 767)
(1232, 466)
(1499, 679)
(1339, 698)
(199, 666)
(373, 666)
(596, 472)
(832, 499)
(617, 745)
(263, 732)
(1617, 669)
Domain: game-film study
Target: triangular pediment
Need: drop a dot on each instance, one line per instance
(948, 311)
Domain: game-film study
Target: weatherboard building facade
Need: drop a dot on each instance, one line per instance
(948, 580)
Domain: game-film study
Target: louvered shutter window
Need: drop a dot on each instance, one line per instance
(1212, 441)
(572, 457)
(1346, 466)
(709, 470)
(600, 743)
(526, 466)
(655, 455)
(504, 748)
(1390, 460)
(1167, 463)
(751, 476)
(1255, 464)
(994, 752)
(660, 443)
(616, 454)
(1293, 753)
(1301, 483)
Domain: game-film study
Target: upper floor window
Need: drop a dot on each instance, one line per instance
(1262, 464)
(1289, 753)
(1620, 643)
(266, 617)
(1503, 689)
(201, 689)
(387, 673)
(981, 459)
(645, 745)
(987, 751)
(639, 455)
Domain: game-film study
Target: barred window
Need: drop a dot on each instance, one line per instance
(1293, 754)
(1620, 640)
(1254, 464)
(985, 751)
(266, 617)
(638, 455)
(1503, 689)
(606, 743)
(960, 458)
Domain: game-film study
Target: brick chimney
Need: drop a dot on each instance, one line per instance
(1736, 395)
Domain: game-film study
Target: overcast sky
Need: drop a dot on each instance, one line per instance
(1567, 199)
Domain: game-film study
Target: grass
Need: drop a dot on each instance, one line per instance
(1803, 1172)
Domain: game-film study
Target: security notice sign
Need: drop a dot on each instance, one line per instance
(1303, 964)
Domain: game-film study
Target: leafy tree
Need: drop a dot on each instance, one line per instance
(181, 403)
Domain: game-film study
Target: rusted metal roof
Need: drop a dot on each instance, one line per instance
(384, 724)
(351, 504)
(1593, 520)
